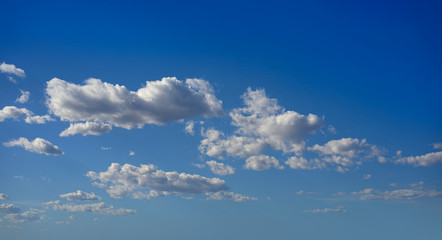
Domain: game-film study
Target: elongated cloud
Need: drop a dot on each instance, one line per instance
(3, 196)
(99, 208)
(230, 196)
(87, 128)
(29, 117)
(9, 208)
(12, 69)
(120, 181)
(339, 209)
(33, 215)
(220, 168)
(158, 102)
(422, 160)
(80, 196)
(38, 145)
(399, 194)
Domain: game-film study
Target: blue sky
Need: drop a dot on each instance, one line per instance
(216, 120)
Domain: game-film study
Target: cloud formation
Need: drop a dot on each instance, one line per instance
(87, 128)
(33, 215)
(99, 208)
(24, 97)
(80, 196)
(120, 181)
(3, 196)
(230, 196)
(38, 145)
(12, 69)
(399, 194)
(9, 208)
(29, 117)
(262, 162)
(220, 168)
(339, 209)
(159, 102)
(422, 160)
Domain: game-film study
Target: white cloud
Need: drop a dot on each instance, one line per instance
(339, 209)
(301, 192)
(366, 176)
(120, 181)
(106, 148)
(63, 222)
(72, 217)
(189, 128)
(87, 128)
(262, 124)
(332, 130)
(3, 196)
(11, 79)
(12, 69)
(99, 208)
(423, 160)
(437, 145)
(24, 97)
(399, 194)
(158, 102)
(220, 168)
(14, 112)
(38, 145)
(230, 196)
(302, 163)
(9, 208)
(33, 215)
(262, 162)
(80, 196)
(131, 153)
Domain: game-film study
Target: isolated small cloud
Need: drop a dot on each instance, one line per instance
(262, 162)
(366, 176)
(339, 209)
(331, 130)
(38, 145)
(189, 128)
(12, 69)
(399, 194)
(131, 153)
(3, 196)
(9, 208)
(422, 160)
(106, 148)
(230, 196)
(437, 145)
(87, 128)
(24, 97)
(80, 196)
(11, 79)
(220, 168)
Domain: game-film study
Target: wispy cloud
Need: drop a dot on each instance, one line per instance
(38, 145)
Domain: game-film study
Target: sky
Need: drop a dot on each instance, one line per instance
(220, 120)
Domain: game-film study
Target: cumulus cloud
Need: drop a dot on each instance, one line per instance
(220, 168)
(332, 130)
(80, 196)
(120, 181)
(339, 209)
(12, 69)
(230, 196)
(262, 162)
(422, 160)
(159, 102)
(9, 208)
(189, 128)
(38, 145)
(99, 208)
(437, 145)
(3, 196)
(296, 162)
(261, 124)
(87, 128)
(341, 152)
(399, 194)
(29, 117)
(33, 215)
(24, 97)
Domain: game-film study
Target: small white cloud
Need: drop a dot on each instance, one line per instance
(199, 165)
(12, 69)
(366, 176)
(302, 192)
(189, 128)
(63, 222)
(382, 159)
(106, 148)
(87, 128)
(3, 196)
(393, 185)
(399, 194)
(331, 129)
(230, 196)
(80, 196)
(437, 145)
(33, 215)
(99, 208)
(24, 97)
(72, 217)
(11, 79)
(220, 168)
(38, 145)
(9, 208)
(131, 153)
(21, 178)
(29, 117)
(423, 160)
(262, 162)
(339, 209)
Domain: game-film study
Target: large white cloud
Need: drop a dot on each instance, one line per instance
(120, 181)
(422, 160)
(262, 162)
(12, 69)
(29, 117)
(158, 102)
(230, 196)
(38, 145)
(33, 215)
(87, 128)
(99, 208)
(220, 168)
(9, 208)
(80, 196)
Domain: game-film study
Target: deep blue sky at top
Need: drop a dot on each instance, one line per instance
(344, 58)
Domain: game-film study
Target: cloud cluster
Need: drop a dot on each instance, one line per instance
(120, 181)
(230, 196)
(262, 124)
(3, 196)
(33, 215)
(24, 97)
(339, 209)
(99, 208)
(262, 162)
(12, 69)
(415, 192)
(86, 128)
(80, 196)
(159, 102)
(220, 168)
(422, 160)
(299, 162)
(9, 208)
(38, 145)
(29, 117)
